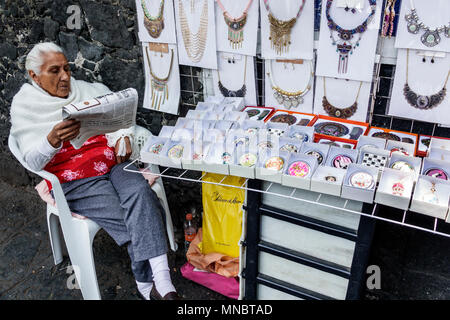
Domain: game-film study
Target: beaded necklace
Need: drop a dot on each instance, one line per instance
(235, 25)
(153, 24)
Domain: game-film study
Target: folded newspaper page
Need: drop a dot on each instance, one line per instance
(103, 114)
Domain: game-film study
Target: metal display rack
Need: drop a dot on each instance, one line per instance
(404, 218)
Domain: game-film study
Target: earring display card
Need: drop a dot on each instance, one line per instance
(288, 85)
(328, 180)
(432, 14)
(431, 197)
(418, 90)
(359, 63)
(162, 82)
(302, 32)
(337, 104)
(152, 26)
(291, 118)
(258, 113)
(395, 189)
(196, 33)
(237, 77)
(231, 36)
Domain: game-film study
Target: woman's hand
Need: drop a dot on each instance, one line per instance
(120, 159)
(63, 131)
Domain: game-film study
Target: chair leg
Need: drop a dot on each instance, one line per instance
(55, 239)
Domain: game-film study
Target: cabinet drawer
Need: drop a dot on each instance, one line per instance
(307, 241)
(327, 214)
(321, 282)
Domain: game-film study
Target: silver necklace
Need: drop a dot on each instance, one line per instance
(430, 37)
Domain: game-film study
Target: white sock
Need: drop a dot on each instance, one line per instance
(161, 274)
(145, 288)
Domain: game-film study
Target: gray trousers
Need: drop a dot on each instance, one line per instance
(125, 206)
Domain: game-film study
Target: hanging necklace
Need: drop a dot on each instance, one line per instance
(235, 25)
(160, 90)
(388, 19)
(194, 43)
(431, 37)
(287, 98)
(237, 93)
(333, 111)
(343, 44)
(421, 101)
(280, 30)
(154, 25)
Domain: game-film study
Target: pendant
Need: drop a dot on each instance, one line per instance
(230, 93)
(362, 180)
(176, 152)
(330, 179)
(343, 50)
(235, 30)
(247, 160)
(343, 113)
(398, 189)
(156, 148)
(154, 27)
(226, 158)
(265, 145)
(280, 34)
(430, 196)
(421, 101)
(274, 163)
(160, 92)
(430, 38)
(402, 166)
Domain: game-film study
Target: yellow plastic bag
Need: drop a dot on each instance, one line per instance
(222, 215)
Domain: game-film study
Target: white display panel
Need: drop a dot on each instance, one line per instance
(335, 88)
(433, 14)
(160, 67)
(232, 75)
(302, 33)
(289, 77)
(208, 59)
(167, 35)
(250, 30)
(361, 62)
(425, 78)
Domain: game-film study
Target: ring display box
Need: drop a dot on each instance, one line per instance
(291, 117)
(395, 188)
(298, 171)
(152, 148)
(320, 151)
(244, 162)
(401, 147)
(305, 134)
(172, 153)
(325, 127)
(431, 197)
(166, 132)
(341, 157)
(193, 157)
(436, 168)
(258, 113)
(271, 165)
(359, 183)
(215, 160)
(328, 180)
(406, 164)
(366, 141)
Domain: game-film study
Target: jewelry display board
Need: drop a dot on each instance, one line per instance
(289, 85)
(425, 28)
(156, 21)
(348, 54)
(237, 77)
(196, 33)
(423, 95)
(300, 34)
(161, 94)
(341, 105)
(236, 32)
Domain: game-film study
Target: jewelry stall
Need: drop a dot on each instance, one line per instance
(294, 114)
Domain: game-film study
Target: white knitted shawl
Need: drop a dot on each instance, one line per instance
(34, 112)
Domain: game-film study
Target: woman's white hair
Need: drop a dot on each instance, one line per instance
(34, 60)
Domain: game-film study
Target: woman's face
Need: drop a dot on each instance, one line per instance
(55, 75)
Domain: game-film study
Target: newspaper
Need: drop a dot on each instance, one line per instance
(103, 114)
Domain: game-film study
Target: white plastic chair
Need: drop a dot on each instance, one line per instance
(79, 233)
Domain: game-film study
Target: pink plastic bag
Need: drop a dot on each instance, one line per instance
(229, 287)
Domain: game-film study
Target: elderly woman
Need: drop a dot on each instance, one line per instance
(92, 177)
